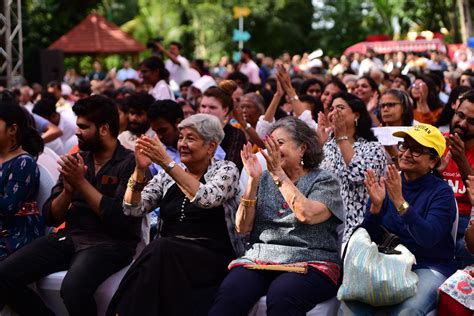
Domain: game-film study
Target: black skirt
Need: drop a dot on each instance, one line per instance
(178, 273)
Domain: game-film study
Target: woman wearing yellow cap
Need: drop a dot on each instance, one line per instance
(419, 207)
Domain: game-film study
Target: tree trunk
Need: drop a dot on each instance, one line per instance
(465, 17)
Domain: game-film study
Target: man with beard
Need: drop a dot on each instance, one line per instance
(138, 123)
(460, 163)
(98, 239)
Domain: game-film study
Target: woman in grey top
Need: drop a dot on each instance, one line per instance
(291, 213)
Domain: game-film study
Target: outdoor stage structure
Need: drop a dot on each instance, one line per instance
(11, 42)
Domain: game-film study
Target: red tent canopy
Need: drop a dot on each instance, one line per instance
(96, 35)
(384, 47)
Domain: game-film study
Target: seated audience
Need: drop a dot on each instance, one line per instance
(98, 239)
(178, 272)
(291, 212)
(20, 221)
(419, 207)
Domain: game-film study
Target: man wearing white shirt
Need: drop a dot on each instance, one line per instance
(248, 67)
(46, 108)
(177, 65)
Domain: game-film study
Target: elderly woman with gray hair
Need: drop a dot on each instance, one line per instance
(178, 272)
(291, 212)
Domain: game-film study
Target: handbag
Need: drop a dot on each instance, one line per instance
(379, 273)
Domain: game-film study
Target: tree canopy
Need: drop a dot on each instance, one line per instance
(205, 26)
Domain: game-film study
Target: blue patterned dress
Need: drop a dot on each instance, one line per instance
(20, 220)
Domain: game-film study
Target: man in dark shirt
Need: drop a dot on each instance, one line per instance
(99, 239)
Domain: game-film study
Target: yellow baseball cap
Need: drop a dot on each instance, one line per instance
(426, 135)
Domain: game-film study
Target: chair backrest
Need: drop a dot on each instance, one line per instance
(70, 143)
(47, 181)
(454, 230)
(49, 160)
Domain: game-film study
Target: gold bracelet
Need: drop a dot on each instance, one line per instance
(136, 186)
(248, 203)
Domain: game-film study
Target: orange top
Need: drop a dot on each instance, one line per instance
(429, 117)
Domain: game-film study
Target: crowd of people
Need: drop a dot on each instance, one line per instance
(215, 184)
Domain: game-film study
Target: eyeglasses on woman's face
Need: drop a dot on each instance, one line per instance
(388, 105)
(415, 150)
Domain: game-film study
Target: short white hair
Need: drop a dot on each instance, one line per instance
(206, 125)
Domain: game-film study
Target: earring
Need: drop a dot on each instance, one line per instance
(356, 122)
(301, 161)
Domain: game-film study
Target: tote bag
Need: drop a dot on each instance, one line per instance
(373, 277)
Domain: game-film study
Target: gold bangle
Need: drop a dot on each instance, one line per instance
(248, 203)
(136, 186)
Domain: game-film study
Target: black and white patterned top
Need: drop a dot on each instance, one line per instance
(368, 155)
(221, 188)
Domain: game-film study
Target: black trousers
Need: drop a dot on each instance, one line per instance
(87, 269)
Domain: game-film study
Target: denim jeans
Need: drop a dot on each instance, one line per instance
(420, 304)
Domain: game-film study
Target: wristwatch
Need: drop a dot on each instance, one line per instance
(170, 166)
(403, 207)
(295, 97)
(279, 180)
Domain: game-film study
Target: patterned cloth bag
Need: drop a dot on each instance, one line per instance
(378, 275)
(460, 286)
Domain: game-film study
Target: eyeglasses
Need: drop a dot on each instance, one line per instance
(416, 151)
(388, 105)
(417, 85)
(462, 117)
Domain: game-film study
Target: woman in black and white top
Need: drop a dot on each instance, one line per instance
(178, 272)
(350, 149)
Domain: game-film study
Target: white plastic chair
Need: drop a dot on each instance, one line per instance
(49, 287)
(326, 308)
(49, 160)
(47, 181)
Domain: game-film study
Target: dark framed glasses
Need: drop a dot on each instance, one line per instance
(415, 150)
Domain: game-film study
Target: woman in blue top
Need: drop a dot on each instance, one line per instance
(20, 144)
(420, 208)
